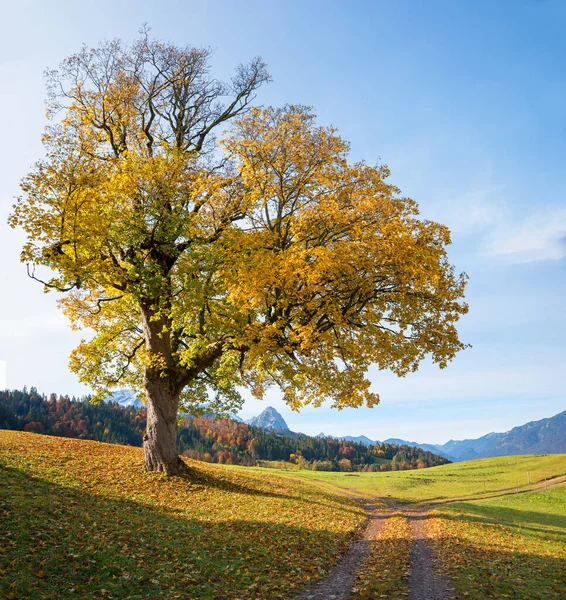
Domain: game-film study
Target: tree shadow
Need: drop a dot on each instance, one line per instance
(513, 518)
(59, 542)
(194, 476)
(478, 573)
(484, 567)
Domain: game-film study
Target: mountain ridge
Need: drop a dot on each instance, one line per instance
(545, 436)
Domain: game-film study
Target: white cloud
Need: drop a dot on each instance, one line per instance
(476, 210)
(540, 236)
(486, 212)
(3, 382)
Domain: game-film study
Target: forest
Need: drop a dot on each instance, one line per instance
(203, 438)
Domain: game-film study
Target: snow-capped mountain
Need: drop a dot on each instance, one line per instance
(125, 398)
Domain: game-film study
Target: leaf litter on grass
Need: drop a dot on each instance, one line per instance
(385, 573)
(84, 520)
(509, 547)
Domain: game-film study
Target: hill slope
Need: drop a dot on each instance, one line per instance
(81, 519)
(202, 438)
(473, 478)
(513, 546)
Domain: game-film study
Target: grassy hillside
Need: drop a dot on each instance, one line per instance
(508, 547)
(82, 519)
(456, 480)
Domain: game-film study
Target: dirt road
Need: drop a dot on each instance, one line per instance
(426, 580)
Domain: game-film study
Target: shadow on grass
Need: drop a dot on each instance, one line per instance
(59, 542)
(481, 571)
(516, 519)
(198, 477)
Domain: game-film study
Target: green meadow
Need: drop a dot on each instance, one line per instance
(446, 482)
(508, 547)
(81, 519)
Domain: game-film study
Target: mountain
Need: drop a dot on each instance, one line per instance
(547, 436)
(360, 439)
(125, 398)
(470, 449)
(269, 419)
(434, 448)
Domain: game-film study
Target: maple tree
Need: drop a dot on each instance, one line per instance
(270, 260)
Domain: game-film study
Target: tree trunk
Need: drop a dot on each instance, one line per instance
(160, 439)
(163, 385)
(162, 390)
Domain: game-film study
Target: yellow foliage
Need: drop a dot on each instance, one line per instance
(277, 263)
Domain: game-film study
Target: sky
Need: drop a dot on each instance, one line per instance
(466, 104)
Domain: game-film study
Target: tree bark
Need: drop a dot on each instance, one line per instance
(162, 389)
(160, 439)
(163, 385)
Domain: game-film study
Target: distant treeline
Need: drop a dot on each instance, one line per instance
(202, 438)
(71, 417)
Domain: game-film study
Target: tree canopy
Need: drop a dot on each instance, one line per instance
(203, 266)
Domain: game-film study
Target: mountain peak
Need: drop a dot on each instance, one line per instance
(125, 398)
(269, 419)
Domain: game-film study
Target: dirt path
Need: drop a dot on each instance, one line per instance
(338, 584)
(426, 582)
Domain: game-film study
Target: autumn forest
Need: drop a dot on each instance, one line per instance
(205, 438)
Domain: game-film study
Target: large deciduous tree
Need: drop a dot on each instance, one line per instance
(203, 268)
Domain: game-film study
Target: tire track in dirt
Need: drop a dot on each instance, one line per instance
(338, 584)
(426, 581)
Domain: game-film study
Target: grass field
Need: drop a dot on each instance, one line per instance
(508, 547)
(513, 546)
(455, 480)
(81, 519)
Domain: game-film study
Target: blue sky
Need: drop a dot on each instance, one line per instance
(466, 103)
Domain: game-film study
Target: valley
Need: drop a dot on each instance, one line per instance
(83, 518)
(283, 302)
(463, 480)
